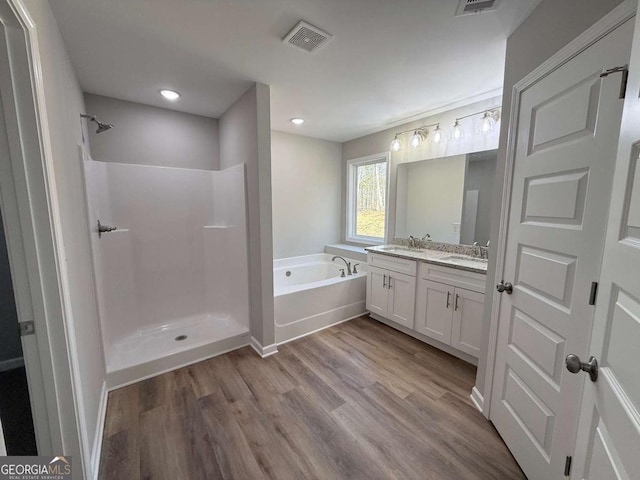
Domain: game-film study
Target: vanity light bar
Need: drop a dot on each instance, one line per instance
(490, 117)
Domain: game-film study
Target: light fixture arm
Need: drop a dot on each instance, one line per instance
(493, 112)
(418, 129)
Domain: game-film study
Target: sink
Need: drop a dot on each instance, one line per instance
(398, 249)
(456, 258)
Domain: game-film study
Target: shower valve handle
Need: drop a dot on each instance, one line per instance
(105, 229)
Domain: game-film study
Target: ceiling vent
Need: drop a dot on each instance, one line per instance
(307, 37)
(469, 7)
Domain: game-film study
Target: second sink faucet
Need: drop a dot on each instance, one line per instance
(348, 264)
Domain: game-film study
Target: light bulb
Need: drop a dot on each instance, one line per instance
(458, 131)
(487, 124)
(438, 133)
(395, 144)
(417, 138)
(170, 94)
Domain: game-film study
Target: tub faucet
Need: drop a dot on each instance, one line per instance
(348, 264)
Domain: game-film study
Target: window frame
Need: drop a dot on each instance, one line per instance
(351, 189)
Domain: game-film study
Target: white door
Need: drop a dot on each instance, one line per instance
(433, 310)
(377, 291)
(566, 140)
(466, 329)
(608, 443)
(402, 298)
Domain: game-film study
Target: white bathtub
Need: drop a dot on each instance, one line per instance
(311, 295)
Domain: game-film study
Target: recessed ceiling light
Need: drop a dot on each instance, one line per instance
(297, 121)
(170, 94)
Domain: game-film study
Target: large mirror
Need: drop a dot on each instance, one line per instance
(448, 199)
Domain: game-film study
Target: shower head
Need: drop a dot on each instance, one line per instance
(102, 127)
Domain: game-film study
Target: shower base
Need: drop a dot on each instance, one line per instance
(157, 349)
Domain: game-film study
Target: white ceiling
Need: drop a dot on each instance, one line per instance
(390, 59)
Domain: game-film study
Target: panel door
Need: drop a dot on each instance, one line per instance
(466, 329)
(377, 291)
(434, 310)
(402, 298)
(566, 138)
(608, 442)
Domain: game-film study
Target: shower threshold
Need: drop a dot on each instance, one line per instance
(161, 348)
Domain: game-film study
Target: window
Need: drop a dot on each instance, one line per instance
(367, 199)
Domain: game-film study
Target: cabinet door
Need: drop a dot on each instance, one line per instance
(466, 332)
(377, 291)
(402, 298)
(434, 310)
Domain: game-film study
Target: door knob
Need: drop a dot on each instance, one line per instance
(575, 365)
(505, 287)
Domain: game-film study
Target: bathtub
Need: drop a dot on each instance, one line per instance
(310, 294)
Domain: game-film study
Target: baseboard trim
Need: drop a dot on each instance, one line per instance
(263, 351)
(11, 363)
(97, 441)
(477, 399)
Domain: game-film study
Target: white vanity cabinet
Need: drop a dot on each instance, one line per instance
(449, 306)
(391, 288)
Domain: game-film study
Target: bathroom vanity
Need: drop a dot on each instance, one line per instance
(434, 296)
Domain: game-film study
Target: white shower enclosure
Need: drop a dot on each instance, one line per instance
(172, 279)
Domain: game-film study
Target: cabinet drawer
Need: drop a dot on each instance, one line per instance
(400, 265)
(453, 276)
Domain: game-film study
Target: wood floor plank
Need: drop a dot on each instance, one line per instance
(356, 401)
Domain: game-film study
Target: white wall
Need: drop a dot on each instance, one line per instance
(306, 184)
(245, 137)
(10, 347)
(64, 103)
(433, 191)
(551, 26)
(379, 142)
(147, 135)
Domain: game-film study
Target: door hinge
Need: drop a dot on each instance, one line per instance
(594, 293)
(625, 76)
(567, 467)
(27, 328)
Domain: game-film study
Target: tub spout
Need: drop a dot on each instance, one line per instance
(348, 264)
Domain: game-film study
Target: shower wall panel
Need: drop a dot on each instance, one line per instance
(179, 250)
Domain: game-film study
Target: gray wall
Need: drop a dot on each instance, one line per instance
(306, 179)
(148, 135)
(481, 176)
(551, 26)
(64, 103)
(245, 137)
(10, 346)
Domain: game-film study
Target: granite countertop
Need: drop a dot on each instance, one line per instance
(451, 259)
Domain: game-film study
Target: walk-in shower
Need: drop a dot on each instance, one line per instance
(172, 277)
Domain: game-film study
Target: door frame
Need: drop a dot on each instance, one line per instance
(596, 32)
(34, 242)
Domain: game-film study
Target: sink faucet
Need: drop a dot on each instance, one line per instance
(348, 264)
(412, 241)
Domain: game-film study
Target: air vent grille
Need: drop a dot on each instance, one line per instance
(469, 7)
(307, 37)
